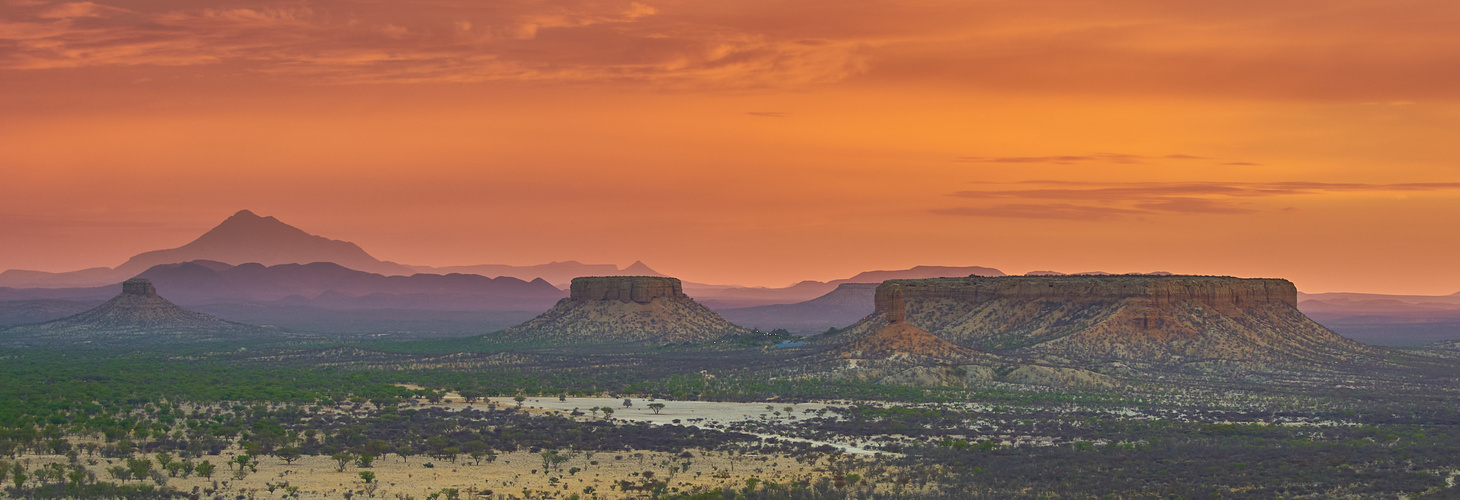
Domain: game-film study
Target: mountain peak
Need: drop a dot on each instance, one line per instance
(247, 237)
(638, 268)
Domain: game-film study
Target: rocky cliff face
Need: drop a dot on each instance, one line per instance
(640, 289)
(1151, 319)
(626, 309)
(897, 337)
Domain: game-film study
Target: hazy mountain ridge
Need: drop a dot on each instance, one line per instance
(242, 238)
(723, 297)
(845, 305)
(136, 317)
(1405, 320)
(203, 282)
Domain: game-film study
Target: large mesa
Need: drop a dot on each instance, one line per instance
(1141, 318)
(603, 309)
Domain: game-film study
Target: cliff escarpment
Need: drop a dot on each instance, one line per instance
(1148, 319)
(626, 309)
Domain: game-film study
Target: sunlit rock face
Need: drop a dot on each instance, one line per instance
(1150, 319)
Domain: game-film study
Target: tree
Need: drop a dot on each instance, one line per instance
(163, 459)
(628, 403)
(367, 476)
(477, 450)
(19, 476)
(519, 400)
(343, 458)
(469, 395)
(288, 454)
(405, 452)
(139, 467)
(204, 469)
(607, 412)
(657, 407)
(562, 398)
(242, 460)
(364, 460)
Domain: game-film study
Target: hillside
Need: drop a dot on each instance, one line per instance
(841, 307)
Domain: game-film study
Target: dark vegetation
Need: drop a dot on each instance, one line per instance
(1286, 435)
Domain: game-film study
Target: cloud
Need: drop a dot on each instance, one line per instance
(348, 42)
(1112, 158)
(1104, 201)
(72, 10)
(1060, 211)
(1352, 51)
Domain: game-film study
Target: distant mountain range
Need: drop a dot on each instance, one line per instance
(246, 238)
(262, 270)
(557, 273)
(1401, 320)
(137, 317)
(845, 305)
(721, 297)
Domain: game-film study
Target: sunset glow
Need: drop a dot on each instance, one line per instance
(749, 142)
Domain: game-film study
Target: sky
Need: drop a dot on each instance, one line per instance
(749, 142)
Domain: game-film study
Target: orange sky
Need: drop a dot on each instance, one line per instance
(750, 142)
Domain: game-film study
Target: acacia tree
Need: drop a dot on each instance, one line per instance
(139, 467)
(289, 454)
(343, 458)
(657, 407)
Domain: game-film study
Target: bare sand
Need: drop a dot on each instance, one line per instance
(507, 476)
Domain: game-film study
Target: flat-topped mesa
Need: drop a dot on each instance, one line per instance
(1226, 295)
(603, 309)
(1151, 319)
(640, 289)
(139, 286)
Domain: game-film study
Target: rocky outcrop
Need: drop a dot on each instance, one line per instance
(607, 309)
(899, 338)
(137, 317)
(640, 289)
(1150, 319)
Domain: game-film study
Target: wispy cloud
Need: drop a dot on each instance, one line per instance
(1093, 158)
(1104, 201)
(342, 41)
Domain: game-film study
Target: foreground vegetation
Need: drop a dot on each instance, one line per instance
(253, 423)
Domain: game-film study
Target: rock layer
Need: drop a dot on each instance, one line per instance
(604, 309)
(640, 289)
(1150, 319)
